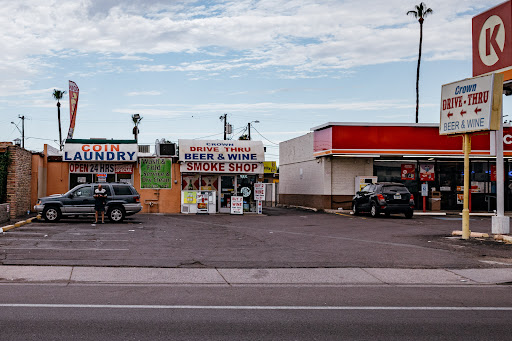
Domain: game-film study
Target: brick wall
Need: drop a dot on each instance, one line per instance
(19, 177)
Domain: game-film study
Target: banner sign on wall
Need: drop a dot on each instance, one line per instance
(107, 168)
(427, 172)
(118, 152)
(270, 167)
(73, 104)
(408, 171)
(221, 151)
(155, 173)
(221, 167)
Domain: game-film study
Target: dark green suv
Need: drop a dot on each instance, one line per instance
(122, 200)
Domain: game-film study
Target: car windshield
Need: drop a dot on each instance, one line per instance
(394, 189)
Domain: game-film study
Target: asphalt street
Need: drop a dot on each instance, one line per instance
(305, 312)
(285, 275)
(282, 238)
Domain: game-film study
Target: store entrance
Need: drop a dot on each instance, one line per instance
(227, 190)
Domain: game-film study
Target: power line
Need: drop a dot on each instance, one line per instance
(277, 144)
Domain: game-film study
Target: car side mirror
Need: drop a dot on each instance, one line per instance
(71, 195)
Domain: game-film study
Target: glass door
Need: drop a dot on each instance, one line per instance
(227, 190)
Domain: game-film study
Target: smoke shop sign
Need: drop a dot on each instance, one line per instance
(100, 152)
(222, 167)
(215, 151)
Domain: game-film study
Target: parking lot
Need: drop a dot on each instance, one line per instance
(281, 238)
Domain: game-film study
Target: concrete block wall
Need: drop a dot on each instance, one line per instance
(19, 178)
(344, 172)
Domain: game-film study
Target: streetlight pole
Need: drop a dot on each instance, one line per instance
(249, 128)
(22, 131)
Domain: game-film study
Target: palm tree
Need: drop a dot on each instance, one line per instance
(420, 12)
(57, 94)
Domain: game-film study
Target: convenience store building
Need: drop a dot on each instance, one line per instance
(325, 167)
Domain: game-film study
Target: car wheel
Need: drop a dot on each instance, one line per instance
(52, 214)
(355, 210)
(409, 214)
(374, 211)
(387, 214)
(116, 214)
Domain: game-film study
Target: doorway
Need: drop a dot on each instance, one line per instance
(227, 190)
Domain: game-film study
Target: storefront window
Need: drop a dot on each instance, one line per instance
(245, 188)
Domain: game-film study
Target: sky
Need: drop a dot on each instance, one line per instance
(291, 65)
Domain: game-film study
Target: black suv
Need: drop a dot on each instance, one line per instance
(387, 197)
(122, 200)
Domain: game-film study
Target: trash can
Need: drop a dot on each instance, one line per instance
(435, 201)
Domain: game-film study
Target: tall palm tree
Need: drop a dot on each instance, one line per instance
(420, 12)
(57, 94)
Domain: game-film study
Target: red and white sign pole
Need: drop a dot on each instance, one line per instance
(492, 52)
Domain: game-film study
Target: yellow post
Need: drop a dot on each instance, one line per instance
(465, 212)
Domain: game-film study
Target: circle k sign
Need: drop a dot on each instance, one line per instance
(492, 44)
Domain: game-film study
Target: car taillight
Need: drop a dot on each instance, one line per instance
(412, 197)
(137, 199)
(380, 197)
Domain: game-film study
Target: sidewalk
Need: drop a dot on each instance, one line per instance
(233, 277)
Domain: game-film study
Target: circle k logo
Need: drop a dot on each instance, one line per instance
(492, 40)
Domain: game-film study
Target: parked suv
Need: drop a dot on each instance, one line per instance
(387, 197)
(122, 200)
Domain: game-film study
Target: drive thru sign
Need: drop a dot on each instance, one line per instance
(471, 105)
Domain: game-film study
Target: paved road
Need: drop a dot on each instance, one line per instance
(282, 239)
(295, 312)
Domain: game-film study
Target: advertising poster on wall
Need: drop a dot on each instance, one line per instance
(408, 171)
(237, 205)
(259, 191)
(427, 172)
(155, 173)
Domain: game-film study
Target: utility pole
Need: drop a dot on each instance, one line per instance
(22, 130)
(224, 117)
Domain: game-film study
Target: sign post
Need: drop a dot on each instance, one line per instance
(492, 52)
(467, 106)
(424, 194)
(465, 210)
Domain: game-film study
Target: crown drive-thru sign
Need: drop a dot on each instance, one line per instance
(492, 41)
(471, 105)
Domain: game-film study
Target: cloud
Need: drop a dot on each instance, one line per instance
(144, 93)
(160, 109)
(303, 37)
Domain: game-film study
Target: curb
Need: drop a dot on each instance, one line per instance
(19, 224)
(497, 237)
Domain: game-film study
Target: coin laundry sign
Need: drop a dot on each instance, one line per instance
(100, 152)
(471, 105)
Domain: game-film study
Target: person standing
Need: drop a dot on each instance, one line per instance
(100, 196)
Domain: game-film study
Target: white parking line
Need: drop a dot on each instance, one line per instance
(219, 307)
(59, 249)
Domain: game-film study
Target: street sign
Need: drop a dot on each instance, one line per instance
(470, 105)
(492, 41)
